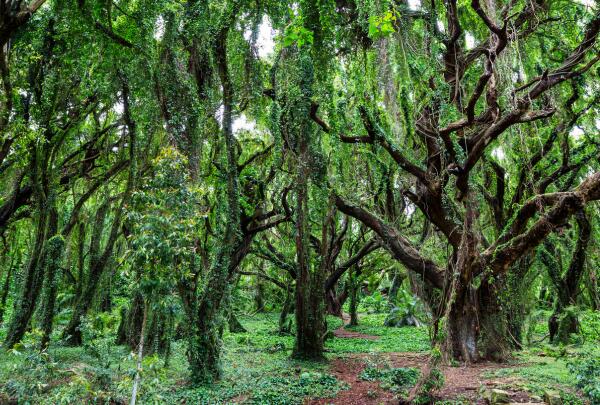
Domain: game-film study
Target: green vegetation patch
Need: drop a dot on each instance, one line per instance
(390, 339)
(393, 379)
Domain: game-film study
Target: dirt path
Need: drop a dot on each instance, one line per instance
(460, 382)
(341, 332)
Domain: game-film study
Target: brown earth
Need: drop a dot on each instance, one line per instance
(466, 383)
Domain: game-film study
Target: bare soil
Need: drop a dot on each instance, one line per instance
(466, 383)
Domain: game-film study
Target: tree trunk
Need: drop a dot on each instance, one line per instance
(353, 299)
(309, 296)
(130, 326)
(333, 304)
(563, 321)
(462, 329)
(34, 276)
(288, 306)
(80, 260)
(259, 292)
(52, 260)
(140, 356)
(310, 282)
(98, 262)
(6, 286)
(234, 324)
(593, 289)
(394, 288)
(204, 352)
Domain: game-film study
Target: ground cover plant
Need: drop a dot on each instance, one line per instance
(311, 201)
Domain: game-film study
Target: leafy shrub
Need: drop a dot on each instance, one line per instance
(375, 303)
(587, 375)
(395, 379)
(589, 323)
(433, 382)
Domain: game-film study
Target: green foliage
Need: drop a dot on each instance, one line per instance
(589, 324)
(382, 25)
(374, 303)
(434, 381)
(394, 379)
(164, 217)
(587, 375)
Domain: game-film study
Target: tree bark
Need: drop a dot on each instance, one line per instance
(354, 290)
(563, 322)
(6, 286)
(47, 225)
(53, 257)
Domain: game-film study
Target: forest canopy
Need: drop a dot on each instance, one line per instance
(174, 172)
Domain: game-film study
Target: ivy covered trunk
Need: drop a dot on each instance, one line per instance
(6, 285)
(462, 310)
(462, 327)
(285, 325)
(333, 303)
(563, 321)
(354, 298)
(310, 280)
(309, 283)
(505, 303)
(52, 261)
(204, 353)
(47, 224)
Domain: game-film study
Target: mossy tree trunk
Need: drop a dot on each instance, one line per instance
(354, 292)
(47, 225)
(204, 352)
(52, 259)
(287, 308)
(563, 321)
(15, 263)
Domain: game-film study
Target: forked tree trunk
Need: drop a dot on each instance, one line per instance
(462, 304)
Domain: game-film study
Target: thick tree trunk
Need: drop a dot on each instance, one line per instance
(462, 327)
(333, 304)
(563, 321)
(34, 277)
(494, 343)
(309, 284)
(52, 260)
(204, 352)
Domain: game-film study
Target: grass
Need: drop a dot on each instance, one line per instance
(256, 368)
(390, 339)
